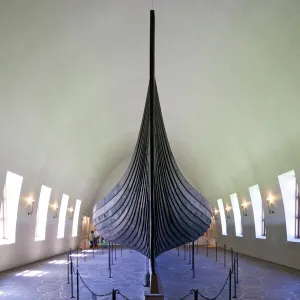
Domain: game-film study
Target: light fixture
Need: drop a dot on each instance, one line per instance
(30, 201)
(71, 210)
(244, 209)
(216, 214)
(54, 207)
(270, 204)
(228, 208)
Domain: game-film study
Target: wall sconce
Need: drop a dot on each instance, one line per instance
(55, 208)
(228, 212)
(244, 209)
(216, 214)
(270, 204)
(71, 210)
(30, 201)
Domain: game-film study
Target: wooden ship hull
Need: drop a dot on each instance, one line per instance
(153, 208)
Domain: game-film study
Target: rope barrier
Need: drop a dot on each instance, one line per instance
(190, 293)
(119, 293)
(94, 294)
(222, 289)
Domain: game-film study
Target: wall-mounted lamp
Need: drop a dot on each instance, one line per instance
(30, 201)
(55, 208)
(71, 210)
(270, 204)
(216, 214)
(228, 209)
(244, 209)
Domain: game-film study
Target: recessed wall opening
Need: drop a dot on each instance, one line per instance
(9, 208)
(258, 212)
(222, 217)
(76, 217)
(62, 216)
(290, 197)
(41, 218)
(236, 215)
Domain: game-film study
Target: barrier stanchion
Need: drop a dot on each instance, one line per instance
(196, 293)
(231, 252)
(230, 273)
(197, 246)
(93, 250)
(237, 267)
(216, 251)
(102, 248)
(115, 252)
(224, 255)
(121, 250)
(189, 248)
(178, 251)
(77, 255)
(84, 256)
(109, 266)
(68, 266)
(114, 295)
(112, 254)
(207, 248)
(184, 252)
(72, 287)
(77, 282)
(234, 279)
(193, 259)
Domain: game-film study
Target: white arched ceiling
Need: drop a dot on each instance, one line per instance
(74, 76)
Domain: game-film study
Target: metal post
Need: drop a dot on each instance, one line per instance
(216, 251)
(72, 287)
(189, 253)
(224, 255)
(114, 295)
(121, 250)
(68, 265)
(77, 282)
(178, 251)
(184, 252)
(207, 248)
(193, 259)
(196, 294)
(234, 279)
(84, 255)
(197, 246)
(231, 251)
(230, 284)
(102, 249)
(237, 267)
(109, 266)
(77, 255)
(93, 250)
(112, 254)
(115, 253)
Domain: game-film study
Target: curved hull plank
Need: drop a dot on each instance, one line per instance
(153, 208)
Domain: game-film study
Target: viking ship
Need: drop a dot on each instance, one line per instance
(153, 208)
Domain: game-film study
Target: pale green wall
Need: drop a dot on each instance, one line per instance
(73, 82)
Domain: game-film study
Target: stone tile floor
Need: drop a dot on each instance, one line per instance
(47, 279)
(257, 279)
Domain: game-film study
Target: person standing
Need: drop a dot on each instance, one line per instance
(91, 239)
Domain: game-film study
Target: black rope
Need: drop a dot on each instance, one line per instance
(98, 295)
(190, 293)
(119, 293)
(218, 293)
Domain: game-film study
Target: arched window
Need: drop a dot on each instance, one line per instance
(222, 216)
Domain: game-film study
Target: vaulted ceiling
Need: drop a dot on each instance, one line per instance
(74, 76)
